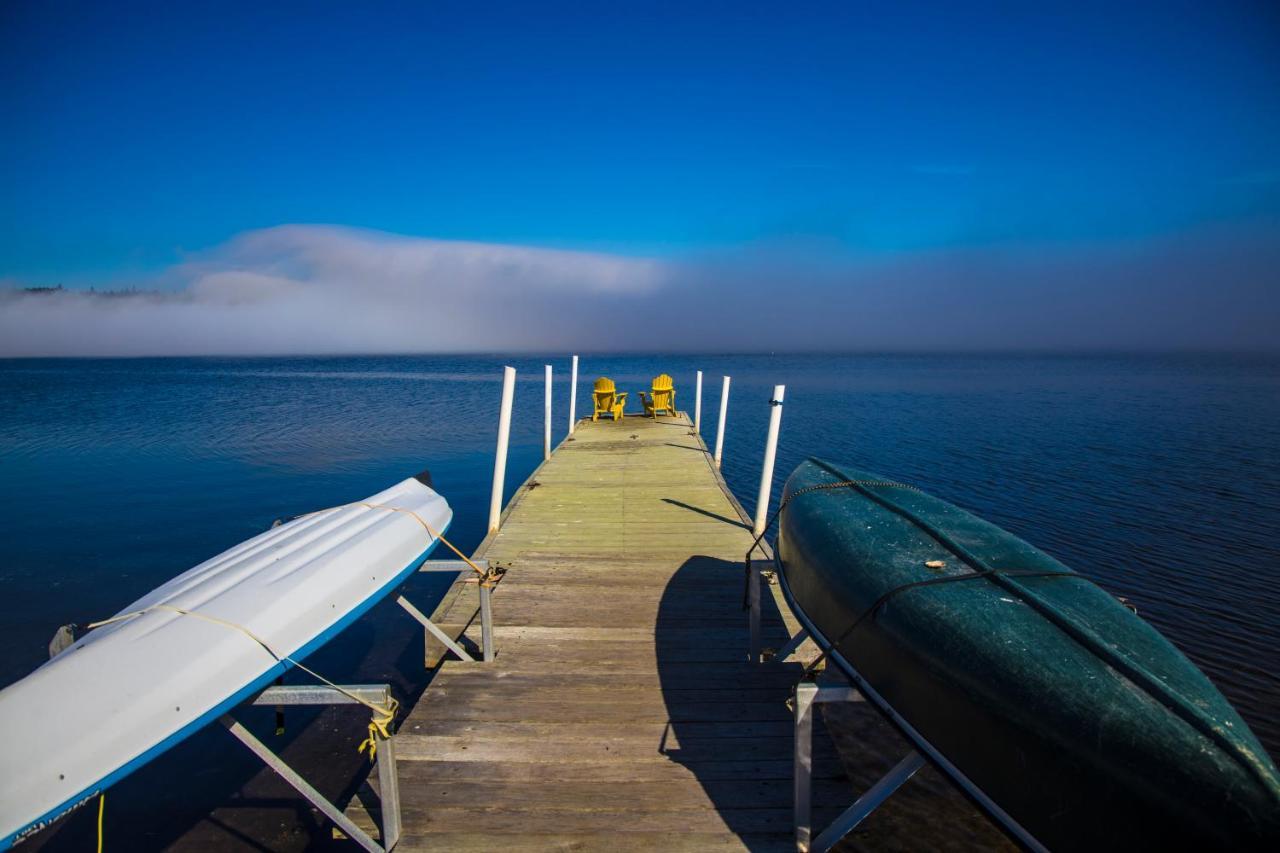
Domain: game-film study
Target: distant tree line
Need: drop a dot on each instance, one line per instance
(92, 291)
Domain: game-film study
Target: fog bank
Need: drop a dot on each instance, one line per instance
(323, 289)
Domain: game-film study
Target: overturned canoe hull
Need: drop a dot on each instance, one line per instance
(1077, 718)
(132, 689)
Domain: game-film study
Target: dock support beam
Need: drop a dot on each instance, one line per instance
(388, 780)
(809, 694)
(546, 418)
(724, 408)
(504, 438)
(697, 404)
(573, 396)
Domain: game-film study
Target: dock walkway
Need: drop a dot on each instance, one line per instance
(620, 712)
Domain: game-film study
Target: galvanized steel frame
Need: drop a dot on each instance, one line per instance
(808, 694)
(486, 610)
(894, 779)
(388, 779)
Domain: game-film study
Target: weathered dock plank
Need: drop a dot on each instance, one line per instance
(620, 712)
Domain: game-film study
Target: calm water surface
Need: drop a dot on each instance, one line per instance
(1157, 476)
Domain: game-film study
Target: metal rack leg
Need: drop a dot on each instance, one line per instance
(869, 802)
(458, 567)
(433, 630)
(802, 779)
(389, 791)
(790, 648)
(258, 748)
(388, 778)
(486, 622)
(753, 606)
(809, 694)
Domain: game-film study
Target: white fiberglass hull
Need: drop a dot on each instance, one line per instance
(130, 690)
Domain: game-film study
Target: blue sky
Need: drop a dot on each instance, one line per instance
(138, 133)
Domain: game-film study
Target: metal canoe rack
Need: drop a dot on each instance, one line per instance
(485, 584)
(374, 694)
(809, 693)
(385, 755)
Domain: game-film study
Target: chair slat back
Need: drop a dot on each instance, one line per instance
(603, 394)
(664, 394)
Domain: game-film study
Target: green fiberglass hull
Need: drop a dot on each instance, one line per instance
(1077, 718)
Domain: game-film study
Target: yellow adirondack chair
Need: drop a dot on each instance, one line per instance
(664, 397)
(607, 400)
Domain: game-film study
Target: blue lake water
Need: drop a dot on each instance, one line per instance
(1159, 476)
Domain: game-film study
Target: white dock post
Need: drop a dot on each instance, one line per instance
(697, 404)
(504, 438)
(724, 408)
(770, 453)
(573, 396)
(546, 420)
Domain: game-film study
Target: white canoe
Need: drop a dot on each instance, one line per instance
(127, 691)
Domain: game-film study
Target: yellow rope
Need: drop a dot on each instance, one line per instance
(481, 572)
(427, 527)
(102, 807)
(383, 716)
(379, 726)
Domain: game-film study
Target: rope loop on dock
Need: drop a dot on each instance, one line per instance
(379, 727)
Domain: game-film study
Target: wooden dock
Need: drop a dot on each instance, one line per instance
(620, 712)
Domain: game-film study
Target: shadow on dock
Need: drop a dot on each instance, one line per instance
(708, 513)
(731, 726)
(744, 760)
(729, 721)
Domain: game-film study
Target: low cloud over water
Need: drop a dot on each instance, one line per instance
(322, 289)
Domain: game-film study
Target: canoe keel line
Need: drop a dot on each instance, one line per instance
(1069, 720)
(193, 649)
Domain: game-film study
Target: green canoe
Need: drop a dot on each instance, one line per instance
(1077, 718)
